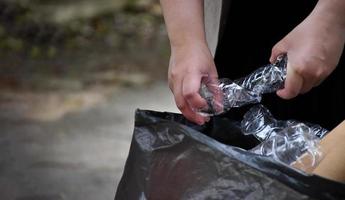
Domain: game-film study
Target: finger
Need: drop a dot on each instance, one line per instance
(183, 106)
(312, 83)
(293, 84)
(312, 78)
(306, 88)
(308, 85)
(318, 82)
(213, 84)
(170, 84)
(309, 78)
(277, 50)
(190, 91)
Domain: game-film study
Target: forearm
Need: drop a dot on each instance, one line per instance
(184, 20)
(332, 166)
(333, 147)
(331, 11)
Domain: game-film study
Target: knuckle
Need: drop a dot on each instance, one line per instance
(279, 47)
(171, 84)
(304, 72)
(323, 71)
(188, 95)
(292, 91)
(307, 89)
(314, 68)
(173, 75)
(276, 48)
(300, 67)
(319, 72)
(181, 106)
(305, 68)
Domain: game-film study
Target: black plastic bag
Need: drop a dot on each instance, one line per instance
(171, 158)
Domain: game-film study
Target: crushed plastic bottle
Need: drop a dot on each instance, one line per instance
(290, 142)
(224, 94)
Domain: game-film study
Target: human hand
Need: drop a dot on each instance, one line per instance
(187, 67)
(313, 48)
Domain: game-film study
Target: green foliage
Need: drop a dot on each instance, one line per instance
(122, 40)
(35, 52)
(21, 29)
(15, 44)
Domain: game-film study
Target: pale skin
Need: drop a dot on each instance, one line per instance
(313, 47)
(332, 165)
(190, 57)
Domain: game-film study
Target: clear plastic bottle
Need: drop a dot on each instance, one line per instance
(223, 94)
(290, 142)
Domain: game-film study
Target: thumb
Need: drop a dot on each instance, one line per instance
(293, 84)
(277, 50)
(190, 91)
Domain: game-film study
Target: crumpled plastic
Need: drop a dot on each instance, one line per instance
(256, 158)
(290, 142)
(172, 158)
(224, 94)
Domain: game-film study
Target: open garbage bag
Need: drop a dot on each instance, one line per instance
(241, 154)
(171, 158)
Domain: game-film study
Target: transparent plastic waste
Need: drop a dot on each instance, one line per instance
(225, 94)
(290, 142)
(171, 158)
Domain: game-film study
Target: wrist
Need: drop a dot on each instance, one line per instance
(331, 12)
(188, 45)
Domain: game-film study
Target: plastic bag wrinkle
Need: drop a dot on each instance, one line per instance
(208, 169)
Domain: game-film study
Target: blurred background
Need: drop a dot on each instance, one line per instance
(72, 73)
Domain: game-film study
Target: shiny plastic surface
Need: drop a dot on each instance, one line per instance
(171, 158)
(224, 94)
(284, 141)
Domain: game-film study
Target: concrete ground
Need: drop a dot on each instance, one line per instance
(79, 155)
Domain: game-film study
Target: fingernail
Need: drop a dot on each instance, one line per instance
(200, 122)
(207, 119)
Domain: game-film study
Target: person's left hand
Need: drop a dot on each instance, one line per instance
(313, 48)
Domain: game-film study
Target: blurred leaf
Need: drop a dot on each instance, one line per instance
(35, 52)
(14, 44)
(51, 52)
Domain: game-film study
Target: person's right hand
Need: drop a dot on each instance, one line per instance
(188, 65)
